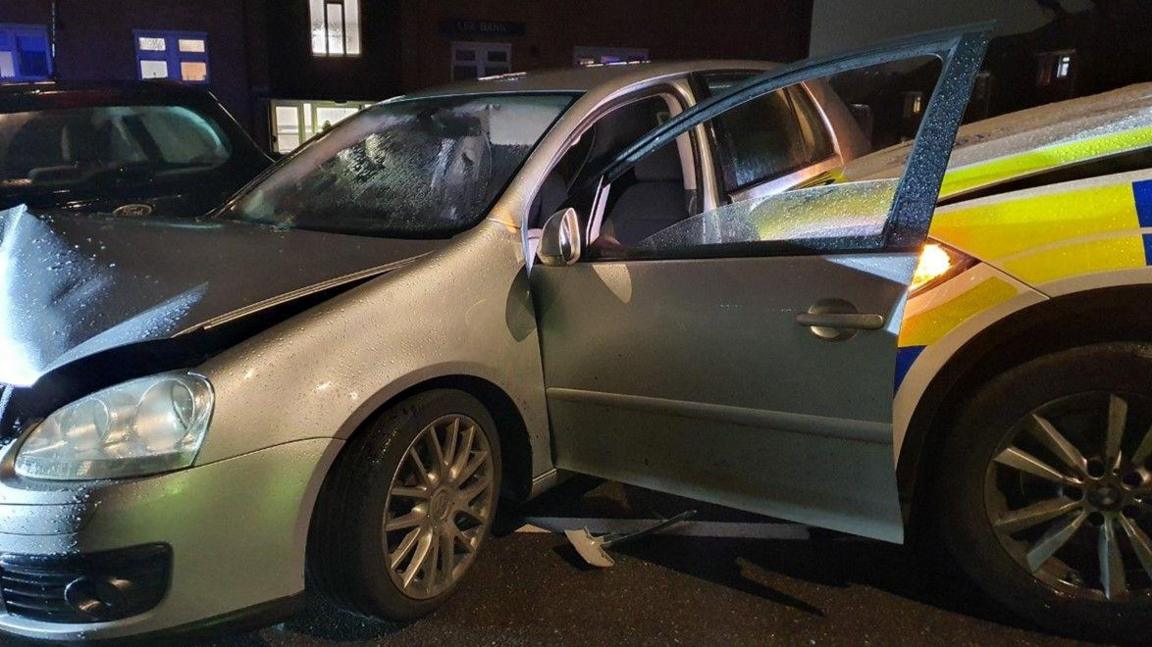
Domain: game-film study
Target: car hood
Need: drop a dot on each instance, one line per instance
(1031, 141)
(74, 286)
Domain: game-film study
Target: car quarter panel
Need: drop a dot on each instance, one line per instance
(1049, 234)
(938, 324)
(463, 310)
(1035, 244)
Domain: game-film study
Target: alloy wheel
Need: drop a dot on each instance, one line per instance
(1069, 495)
(440, 506)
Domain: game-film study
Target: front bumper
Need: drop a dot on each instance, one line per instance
(236, 530)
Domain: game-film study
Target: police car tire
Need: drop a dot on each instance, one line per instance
(984, 420)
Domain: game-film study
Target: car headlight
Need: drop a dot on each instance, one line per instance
(938, 263)
(146, 426)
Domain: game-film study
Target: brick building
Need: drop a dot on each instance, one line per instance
(287, 68)
(402, 45)
(100, 40)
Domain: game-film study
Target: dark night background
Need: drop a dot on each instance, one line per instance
(260, 52)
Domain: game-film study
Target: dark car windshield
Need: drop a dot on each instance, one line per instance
(421, 168)
(65, 148)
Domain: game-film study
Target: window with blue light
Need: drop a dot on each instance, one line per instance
(24, 53)
(174, 55)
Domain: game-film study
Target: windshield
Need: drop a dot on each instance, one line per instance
(73, 147)
(424, 168)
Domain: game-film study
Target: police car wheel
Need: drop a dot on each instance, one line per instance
(1044, 490)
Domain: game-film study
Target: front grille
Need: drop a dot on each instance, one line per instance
(97, 587)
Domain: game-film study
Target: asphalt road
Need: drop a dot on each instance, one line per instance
(531, 589)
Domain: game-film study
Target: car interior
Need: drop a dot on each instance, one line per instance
(652, 196)
(77, 145)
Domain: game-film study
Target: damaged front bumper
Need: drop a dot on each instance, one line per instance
(173, 553)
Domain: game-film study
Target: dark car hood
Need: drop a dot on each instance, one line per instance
(73, 286)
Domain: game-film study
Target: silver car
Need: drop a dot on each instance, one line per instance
(650, 273)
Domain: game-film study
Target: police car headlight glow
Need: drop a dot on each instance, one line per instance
(938, 263)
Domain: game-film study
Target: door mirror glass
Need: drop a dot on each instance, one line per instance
(561, 241)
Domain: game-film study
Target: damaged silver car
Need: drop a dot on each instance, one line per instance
(453, 298)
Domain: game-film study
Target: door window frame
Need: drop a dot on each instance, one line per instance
(757, 189)
(678, 90)
(961, 51)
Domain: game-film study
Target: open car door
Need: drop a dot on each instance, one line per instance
(745, 355)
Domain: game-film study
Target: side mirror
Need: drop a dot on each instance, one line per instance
(560, 242)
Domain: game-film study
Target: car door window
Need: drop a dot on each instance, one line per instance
(838, 210)
(767, 138)
(652, 196)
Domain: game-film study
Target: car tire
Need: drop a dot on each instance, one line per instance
(976, 482)
(374, 483)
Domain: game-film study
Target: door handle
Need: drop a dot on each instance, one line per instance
(853, 321)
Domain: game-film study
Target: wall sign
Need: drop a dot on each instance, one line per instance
(463, 27)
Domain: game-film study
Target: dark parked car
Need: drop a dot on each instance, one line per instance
(133, 149)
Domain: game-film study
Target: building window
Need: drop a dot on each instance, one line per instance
(478, 60)
(913, 103)
(1062, 65)
(1054, 67)
(335, 27)
(584, 56)
(295, 122)
(24, 53)
(175, 55)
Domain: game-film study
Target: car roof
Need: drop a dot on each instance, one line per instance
(101, 89)
(1031, 141)
(22, 97)
(584, 79)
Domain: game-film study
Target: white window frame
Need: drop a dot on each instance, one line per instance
(327, 40)
(1063, 65)
(481, 51)
(308, 122)
(1054, 66)
(176, 48)
(583, 55)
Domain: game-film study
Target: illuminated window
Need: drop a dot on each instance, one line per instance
(477, 60)
(1062, 66)
(24, 53)
(913, 103)
(192, 45)
(151, 44)
(194, 71)
(1054, 66)
(174, 55)
(584, 56)
(153, 69)
(335, 27)
(295, 122)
